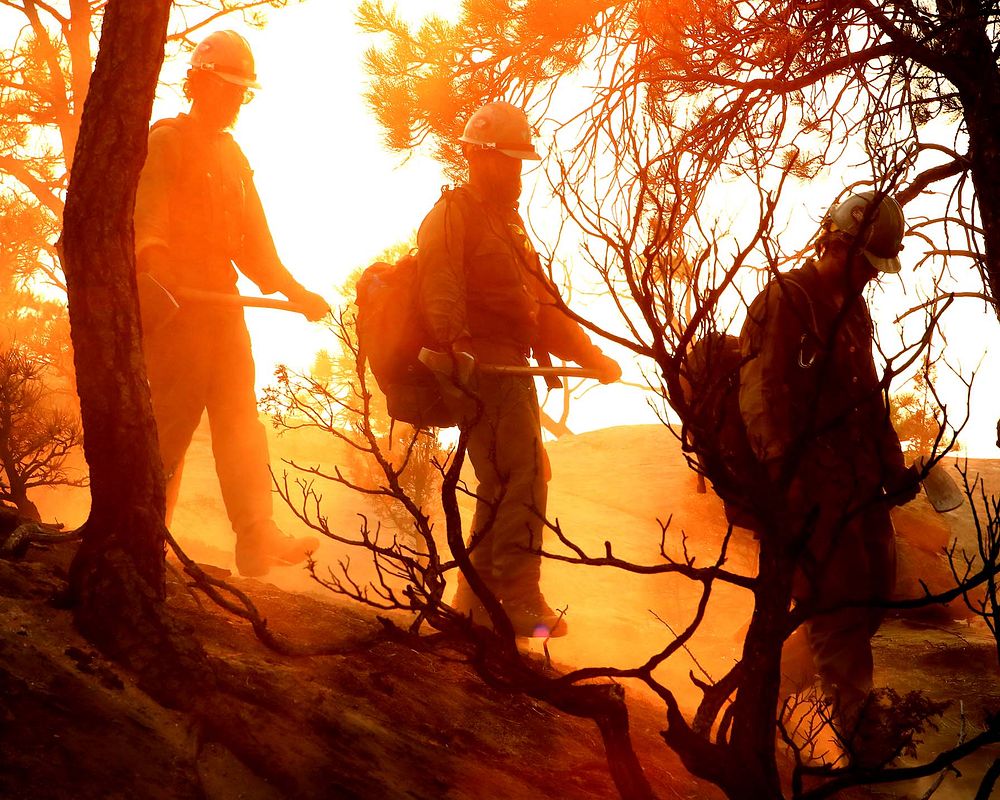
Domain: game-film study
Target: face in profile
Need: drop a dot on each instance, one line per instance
(856, 269)
(215, 101)
(499, 173)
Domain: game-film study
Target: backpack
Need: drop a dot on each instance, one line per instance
(391, 332)
(390, 335)
(715, 425)
(716, 433)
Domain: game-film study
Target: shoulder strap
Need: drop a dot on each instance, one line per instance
(808, 350)
(181, 124)
(472, 213)
(790, 280)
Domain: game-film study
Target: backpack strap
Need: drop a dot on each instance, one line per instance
(472, 221)
(808, 350)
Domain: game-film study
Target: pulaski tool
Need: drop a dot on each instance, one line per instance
(158, 305)
(460, 366)
(940, 488)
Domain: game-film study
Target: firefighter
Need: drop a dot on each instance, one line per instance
(816, 416)
(482, 291)
(198, 218)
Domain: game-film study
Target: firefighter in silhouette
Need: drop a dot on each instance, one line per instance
(482, 291)
(197, 219)
(816, 416)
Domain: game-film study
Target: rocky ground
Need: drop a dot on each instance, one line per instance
(382, 719)
(388, 717)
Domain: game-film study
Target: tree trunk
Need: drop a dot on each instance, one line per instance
(27, 509)
(752, 740)
(977, 79)
(78, 33)
(16, 492)
(117, 578)
(604, 704)
(557, 427)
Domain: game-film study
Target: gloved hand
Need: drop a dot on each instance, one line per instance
(607, 368)
(902, 487)
(314, 307)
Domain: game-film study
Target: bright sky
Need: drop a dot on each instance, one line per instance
(333, 195)
(336, 198)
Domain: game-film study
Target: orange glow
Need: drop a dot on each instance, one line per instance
(336, 198)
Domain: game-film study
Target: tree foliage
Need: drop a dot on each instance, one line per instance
(37, 435)
(45, 76)
(678, 137)
(677, 95)
(917, 415)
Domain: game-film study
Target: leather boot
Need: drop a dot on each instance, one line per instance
(262, 546)
(465, 602)
(531, 616)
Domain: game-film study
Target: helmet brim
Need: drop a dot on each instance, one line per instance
(238, 80)
(523, 155)
(890, 265)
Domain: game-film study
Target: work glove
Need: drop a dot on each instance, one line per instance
(903, 486)
(314, 307)
(608, 370)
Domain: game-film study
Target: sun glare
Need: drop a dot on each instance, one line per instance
(336, 197)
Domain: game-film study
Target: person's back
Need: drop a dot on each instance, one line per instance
(197, 198)
(809, 384)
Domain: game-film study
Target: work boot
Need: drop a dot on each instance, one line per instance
(531, 616)
(262, 546)
(466, 602)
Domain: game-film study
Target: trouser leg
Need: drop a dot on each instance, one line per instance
(178, 367)
(505, 448)
(173, 490)
(239, 440)
(860, 567)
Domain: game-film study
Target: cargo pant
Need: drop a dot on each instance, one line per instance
(201, 360)
(505, 449)
(850, 559)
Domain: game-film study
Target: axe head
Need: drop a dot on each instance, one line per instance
(942, 490)
(156, 305)
(454, 368)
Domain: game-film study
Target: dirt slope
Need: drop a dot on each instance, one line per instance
(380, 720)
(386, 720)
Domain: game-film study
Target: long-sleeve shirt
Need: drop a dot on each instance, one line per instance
(197, 199)
(482, 288)
(809, 387)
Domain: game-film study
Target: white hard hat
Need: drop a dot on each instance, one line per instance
(882, 236)
(501, 127)
(227, 55)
